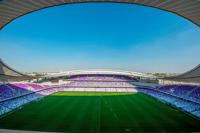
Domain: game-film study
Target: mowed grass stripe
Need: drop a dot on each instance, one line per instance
(99, 112)
(149, 113)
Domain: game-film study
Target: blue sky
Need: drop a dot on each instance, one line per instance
(101, 36)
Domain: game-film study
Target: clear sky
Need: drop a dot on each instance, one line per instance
(101, 36)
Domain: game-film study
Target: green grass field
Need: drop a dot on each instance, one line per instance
(99, 112)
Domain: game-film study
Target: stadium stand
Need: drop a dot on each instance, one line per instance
(174, 98)
(184, 97)
(195, 94)
(100, 82)
(13, 96)
(190, 92)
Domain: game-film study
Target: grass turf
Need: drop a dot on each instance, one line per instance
(99, 112)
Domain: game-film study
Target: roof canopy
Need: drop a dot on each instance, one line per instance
(96, 72)
(9, 74)
(12, 9)
(190, 76)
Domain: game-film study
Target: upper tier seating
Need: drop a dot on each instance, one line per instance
(98, 84)
(100, 81)
(100, 78)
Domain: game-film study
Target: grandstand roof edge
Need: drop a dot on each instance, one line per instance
(99, 71)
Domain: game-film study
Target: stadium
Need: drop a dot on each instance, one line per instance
(98, 100)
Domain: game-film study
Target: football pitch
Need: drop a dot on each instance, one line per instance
(99, 112)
